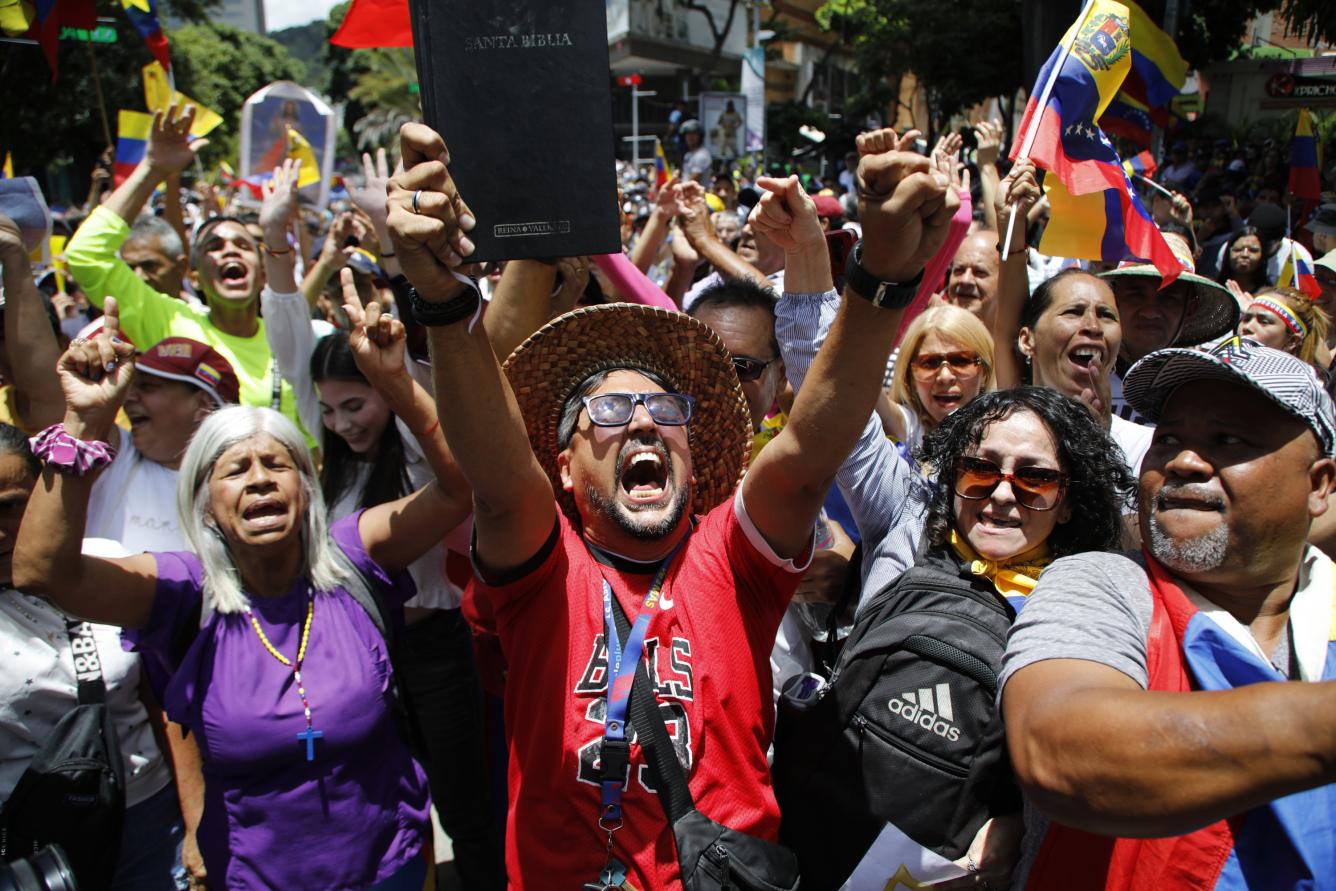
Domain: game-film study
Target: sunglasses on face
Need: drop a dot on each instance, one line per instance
(616, 409)
(964, 365)
(1038, 488)
(749, 368)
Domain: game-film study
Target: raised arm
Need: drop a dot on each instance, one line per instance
(169, 151)
(694, 222)
(33, 349)
(1095, 751)
(666, 206)
(370, 197)
(521, 303)
(398, 532)
(514, 505)
(1013, 289)
(906, 208)
(989, 135)
(94, 376)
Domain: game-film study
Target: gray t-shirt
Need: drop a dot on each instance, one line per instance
(1096, 607)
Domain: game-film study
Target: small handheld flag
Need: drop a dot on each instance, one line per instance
(132, 132)
(1305, 160)
(158, 96)
(7, 170)
(1298, 274)
(661, 175)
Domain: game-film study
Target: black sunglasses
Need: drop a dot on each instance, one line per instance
(616, 409)
(1038, 488)
(750, 368)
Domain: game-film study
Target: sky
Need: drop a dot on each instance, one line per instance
(280, 14)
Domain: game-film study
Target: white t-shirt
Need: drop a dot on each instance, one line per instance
(1133, 439)
(134, 502)
(38, 688)
(434, 590)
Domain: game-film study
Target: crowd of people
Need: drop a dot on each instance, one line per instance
(850, 529)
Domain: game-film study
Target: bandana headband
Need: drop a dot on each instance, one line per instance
(1284, 313)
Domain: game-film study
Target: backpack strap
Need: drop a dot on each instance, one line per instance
(87, 665)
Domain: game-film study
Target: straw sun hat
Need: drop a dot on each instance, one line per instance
(685, 352)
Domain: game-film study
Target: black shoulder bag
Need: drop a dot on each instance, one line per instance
(712, 857)
(73, 792)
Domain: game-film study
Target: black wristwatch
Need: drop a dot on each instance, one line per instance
(888, 295)
(457, 308)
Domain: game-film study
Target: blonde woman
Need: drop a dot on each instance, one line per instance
(946, 359)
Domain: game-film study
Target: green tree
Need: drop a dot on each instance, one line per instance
(960, 57)
(379, 88)
(60, 124)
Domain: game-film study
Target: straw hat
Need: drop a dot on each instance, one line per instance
(1216, 312)
(685, 352)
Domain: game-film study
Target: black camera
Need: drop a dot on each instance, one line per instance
(47, 870)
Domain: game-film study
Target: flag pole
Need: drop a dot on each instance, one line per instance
(97, 87)
(1154, 185)
(1294, 252)
(1042, 106)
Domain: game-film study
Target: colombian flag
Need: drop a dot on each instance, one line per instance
(132, 131)
(1305, 159)
(660, 166)
(143, 14)
(1296, 273)
(158, 95)
(1158, 71)
(1096, 213)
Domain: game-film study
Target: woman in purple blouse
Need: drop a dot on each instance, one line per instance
(287, 683)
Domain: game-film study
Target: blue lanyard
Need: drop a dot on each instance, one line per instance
(615, 754)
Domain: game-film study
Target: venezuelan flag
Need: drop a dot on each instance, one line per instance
(660, 166)
(1111, 225)
(143, 14)
(132, 132)
(1158, 70)
(1128, 118)
(1296, 273)
(299, 149)
(1081, 78)
(1305, 159)
(7, 169)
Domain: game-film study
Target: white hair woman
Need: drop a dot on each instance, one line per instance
(287, 683)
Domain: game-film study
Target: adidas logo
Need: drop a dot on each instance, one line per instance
(928, 710)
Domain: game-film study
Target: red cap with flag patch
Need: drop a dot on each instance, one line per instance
(192, 362)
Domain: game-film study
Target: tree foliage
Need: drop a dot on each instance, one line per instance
(378, 87)
(60, 124)
(960, 56)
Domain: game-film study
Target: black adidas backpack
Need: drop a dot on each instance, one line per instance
(906, 731)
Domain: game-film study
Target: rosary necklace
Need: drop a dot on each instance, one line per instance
(310, 734)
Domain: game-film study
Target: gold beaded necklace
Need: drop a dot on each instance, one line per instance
(310, 734)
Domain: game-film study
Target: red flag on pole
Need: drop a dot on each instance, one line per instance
(374, 23)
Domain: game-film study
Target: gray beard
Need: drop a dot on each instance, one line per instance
(1195, 555)
(626, 520)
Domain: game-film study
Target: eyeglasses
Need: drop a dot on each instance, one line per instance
(616, 409)
(749, 368)
(963, 365)
(1038, 488)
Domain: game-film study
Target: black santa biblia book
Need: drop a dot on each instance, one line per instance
(520, 90)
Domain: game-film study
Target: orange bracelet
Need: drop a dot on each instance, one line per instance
(430, 430)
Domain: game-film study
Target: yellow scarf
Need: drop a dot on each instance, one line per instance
(1018, 575)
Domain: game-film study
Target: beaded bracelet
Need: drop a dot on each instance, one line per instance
(68, 454)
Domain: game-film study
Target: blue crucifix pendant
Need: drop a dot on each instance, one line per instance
(309, 736)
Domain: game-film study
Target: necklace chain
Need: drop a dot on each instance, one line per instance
(309, 735)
